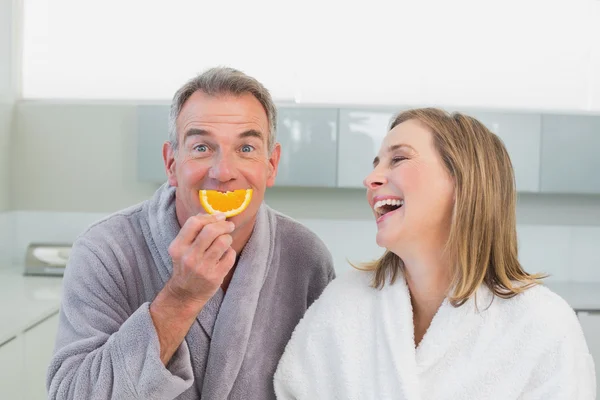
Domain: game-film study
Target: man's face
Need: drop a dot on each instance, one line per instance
(222, 146)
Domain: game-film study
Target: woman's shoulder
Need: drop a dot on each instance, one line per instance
(353, 279)
(350, 285)
(543, 310)
(349, 282)
(545, 303)
(345, 295)
(550, 328)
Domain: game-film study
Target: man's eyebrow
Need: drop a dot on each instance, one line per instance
(251, 133)
(195, 132)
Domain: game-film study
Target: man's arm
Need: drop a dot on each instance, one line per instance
(202, 257)
(105, 350)
(323, 274)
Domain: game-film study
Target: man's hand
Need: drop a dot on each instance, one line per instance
(202, 257)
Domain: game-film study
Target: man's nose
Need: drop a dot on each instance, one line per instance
(222, 169)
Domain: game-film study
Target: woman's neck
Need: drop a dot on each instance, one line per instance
(428, 281)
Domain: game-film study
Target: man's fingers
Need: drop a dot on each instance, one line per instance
(209, 234)
(226, 262)
(202, 242)
(217, 249)
(190, 231)
(194, 225)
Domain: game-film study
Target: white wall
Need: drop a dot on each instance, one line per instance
(7, 96)
(75, 157)
(76, 162)
(465, 53)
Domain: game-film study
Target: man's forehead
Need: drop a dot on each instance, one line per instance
(224, 106)
(241, 113)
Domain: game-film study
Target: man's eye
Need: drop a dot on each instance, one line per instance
(201, 148)
(247, 148)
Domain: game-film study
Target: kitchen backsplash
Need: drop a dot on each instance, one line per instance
(565, 252)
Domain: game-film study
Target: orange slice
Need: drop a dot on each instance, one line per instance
(229, 203)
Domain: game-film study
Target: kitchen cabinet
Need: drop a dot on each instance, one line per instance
(308, 138)
(335, 147)
(153, 131)
(590, 323)
(521, 135)
(11, 369)
(38, 348)
(362, 131)
(361, 134)
(570, 161)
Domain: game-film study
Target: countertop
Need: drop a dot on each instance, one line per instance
(27, 300)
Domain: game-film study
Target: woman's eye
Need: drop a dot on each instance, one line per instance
(397, 159)
(247, 148)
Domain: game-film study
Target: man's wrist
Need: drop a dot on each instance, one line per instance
(169, 303)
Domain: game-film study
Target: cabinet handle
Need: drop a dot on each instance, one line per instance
(7, 341)
(40, 321)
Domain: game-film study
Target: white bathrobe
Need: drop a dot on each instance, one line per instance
(357, 342)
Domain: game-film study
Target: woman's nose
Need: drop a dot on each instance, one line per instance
(374, 180)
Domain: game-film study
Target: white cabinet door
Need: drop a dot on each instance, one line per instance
(361, 134)
(590, 323)
(308, 138)
(570, 161)
(152, 132)
(39, 345)
(11, 369)
(362, 131)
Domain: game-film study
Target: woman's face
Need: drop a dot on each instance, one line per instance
(410, 191)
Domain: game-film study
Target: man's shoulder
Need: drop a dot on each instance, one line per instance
(108, 247)
(297, 235)
(302, 248)
(115, 227)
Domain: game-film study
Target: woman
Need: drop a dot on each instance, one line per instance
(447, 312)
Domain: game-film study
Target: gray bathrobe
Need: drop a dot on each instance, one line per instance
(107, 346)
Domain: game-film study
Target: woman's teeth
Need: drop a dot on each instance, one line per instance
(379, 206)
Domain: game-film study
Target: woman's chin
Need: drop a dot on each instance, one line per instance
(383, 240)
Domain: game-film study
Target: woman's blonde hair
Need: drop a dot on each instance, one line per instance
(482, 244)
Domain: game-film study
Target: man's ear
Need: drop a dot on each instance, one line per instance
(170, 163)
(273, 164)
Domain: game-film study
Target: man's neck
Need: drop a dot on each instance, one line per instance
(240, 236)
(229, 276)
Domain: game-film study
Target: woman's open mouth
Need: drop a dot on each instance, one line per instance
(384, 208)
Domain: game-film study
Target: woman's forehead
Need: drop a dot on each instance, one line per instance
(412, 133)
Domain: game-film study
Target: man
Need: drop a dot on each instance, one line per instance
(163, 301)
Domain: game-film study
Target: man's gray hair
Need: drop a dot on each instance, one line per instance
(219, 81)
